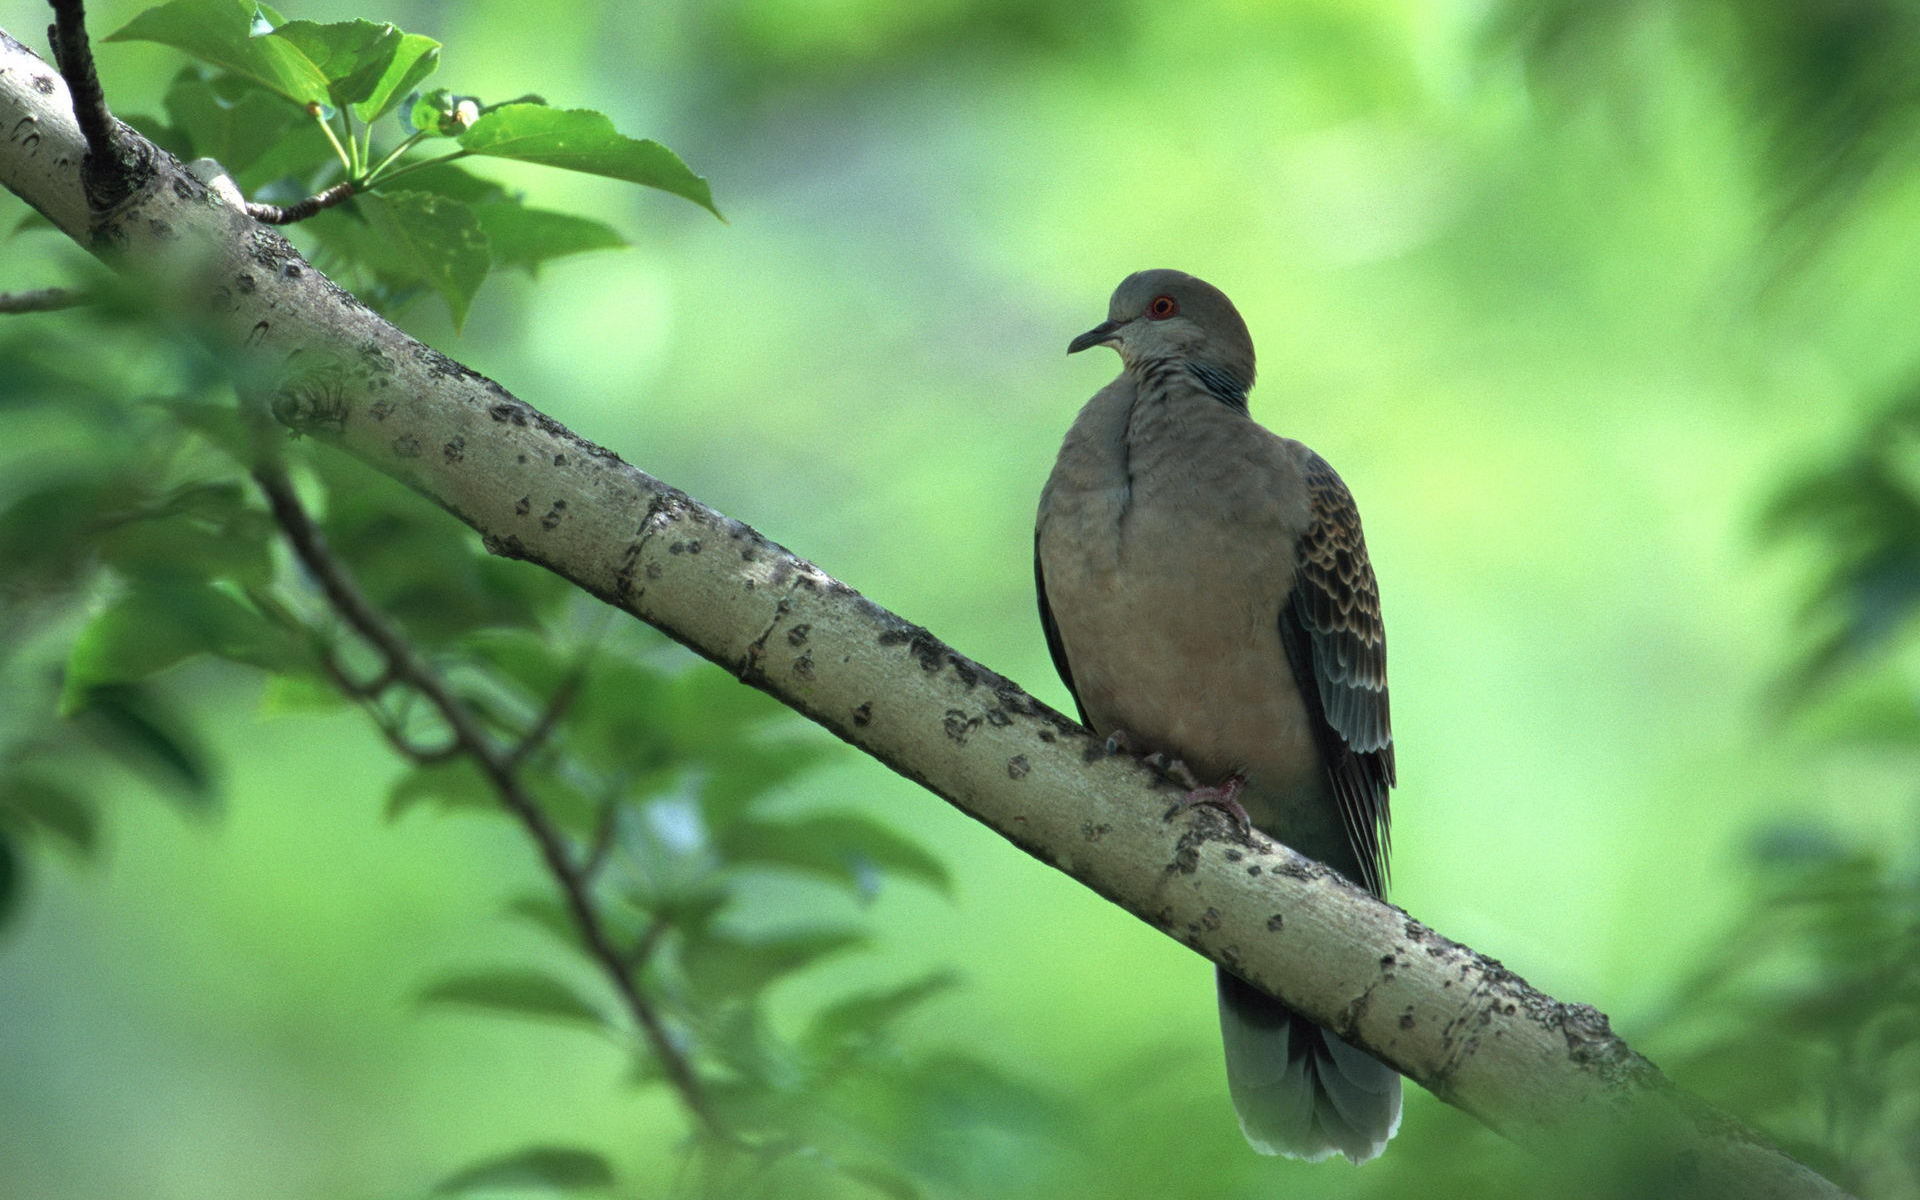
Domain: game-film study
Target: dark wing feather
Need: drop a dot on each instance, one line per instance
(1055, 646)
(1337, 647)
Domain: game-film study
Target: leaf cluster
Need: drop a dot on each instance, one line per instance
(291, 108)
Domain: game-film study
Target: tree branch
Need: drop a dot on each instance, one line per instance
(73, 52)
(406, 667)
(1550, 1075)
(300, 210)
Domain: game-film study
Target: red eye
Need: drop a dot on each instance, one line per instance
(1162, 308)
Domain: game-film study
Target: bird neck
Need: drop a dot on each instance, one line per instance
(1220, 382)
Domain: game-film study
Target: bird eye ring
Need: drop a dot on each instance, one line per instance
(1162, 308)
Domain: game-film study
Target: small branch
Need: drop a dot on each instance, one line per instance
(549, 719)
(274, 214)
(408, 667)
(41, 300)
(649, 941)
(603, 831)
(73, 54)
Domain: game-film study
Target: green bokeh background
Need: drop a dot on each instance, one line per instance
(1542, 315)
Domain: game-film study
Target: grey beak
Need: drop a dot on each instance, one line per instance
(1099, 335)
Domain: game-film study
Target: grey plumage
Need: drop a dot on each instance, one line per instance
(1204, 587)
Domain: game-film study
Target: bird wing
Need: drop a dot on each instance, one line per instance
(1337, 648)
(1055, 646)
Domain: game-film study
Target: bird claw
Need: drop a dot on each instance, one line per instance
(1225, 797)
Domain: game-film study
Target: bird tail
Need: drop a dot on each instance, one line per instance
(1301, 1091)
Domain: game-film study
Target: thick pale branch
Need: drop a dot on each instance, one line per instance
(1548, 1074)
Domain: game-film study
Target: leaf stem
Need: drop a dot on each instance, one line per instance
(315, 111)
(409, 168)
(373, 176)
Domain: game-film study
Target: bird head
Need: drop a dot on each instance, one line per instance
(1170, 314)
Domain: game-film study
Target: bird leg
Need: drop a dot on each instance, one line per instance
(1225, 796)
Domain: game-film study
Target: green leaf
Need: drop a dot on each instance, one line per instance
(520, 992)
(527, 657)
(865, 1015)
(546, 914)
(724, 965)
(456, 784)
(141, 729)
(439, 238)
(526, 237)
(51, 805)
(416, 57)
(224, 33)
(553, 1168)
(161, 622)
(299, 694)
(353, 55)
(845, 848)
(226, 118)
(205, 528)
(446, 179)
(580, 139)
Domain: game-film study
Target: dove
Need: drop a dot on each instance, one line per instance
(1208, 601)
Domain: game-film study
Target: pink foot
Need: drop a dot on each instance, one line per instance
(1225, 797)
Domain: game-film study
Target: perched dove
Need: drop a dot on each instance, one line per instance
(1207, 597)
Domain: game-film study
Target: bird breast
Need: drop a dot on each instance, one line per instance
(1166, 540)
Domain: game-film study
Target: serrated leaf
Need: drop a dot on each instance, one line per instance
(449, 180)
(520, 992)
(353, 55)
(580, 139)
(456, 784)
(846, 848)
(440, 238)
(52, 806)
(723, 965)
(416, 57)
(226, 34)
(526, 237)
(553, 1168)
(227, 120)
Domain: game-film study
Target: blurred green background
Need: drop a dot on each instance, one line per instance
(1568, 293)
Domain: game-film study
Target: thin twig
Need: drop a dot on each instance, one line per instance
(41, 300)
(549, 719)
(73, 53)
(337, 584)
(602, 844)
(300, 210)
(649, 942)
